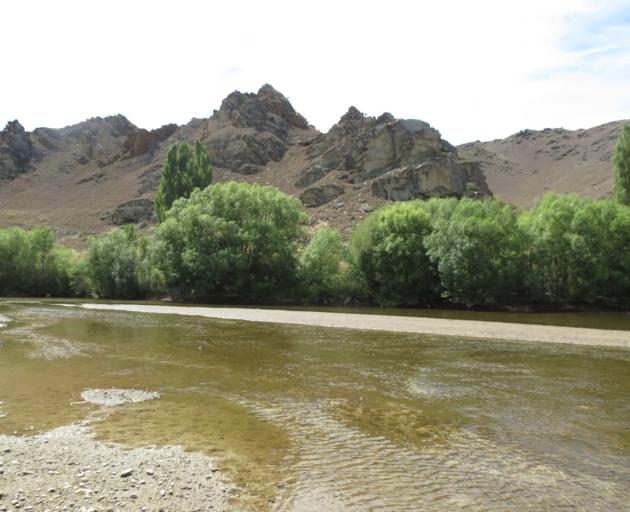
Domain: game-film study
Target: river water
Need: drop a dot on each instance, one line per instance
(310, 418)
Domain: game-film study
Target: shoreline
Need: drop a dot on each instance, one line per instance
(503, 331)
(68, 467)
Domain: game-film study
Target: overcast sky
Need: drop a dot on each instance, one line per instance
(473, 69)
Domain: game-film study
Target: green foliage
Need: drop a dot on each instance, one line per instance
(230, 240)
(323, 269)
(32, 263)
(476, 246)
(185, 168)
(116, 264)
(621, 161)
(578, 250)
(388, 253)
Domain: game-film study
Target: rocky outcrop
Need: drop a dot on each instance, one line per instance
(253, 129)
(141, 141)
(267, 110)
(16, 150)
(401, 158)
(438, 177)
(234, 150)
(133, 212)
(320, 195)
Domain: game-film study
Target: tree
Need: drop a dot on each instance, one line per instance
(389, 255)
(621, 162)
(185, 168)
(322, 266)
(231, 240)
(476, 246)
(577, 248)
(115, 262)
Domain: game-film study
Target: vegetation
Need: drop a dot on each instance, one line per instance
(621, 161)
(185, 169)
(118, 265)
(230, 240)
(388, 253)
(242, 242)
(32, 263)
(323, 271)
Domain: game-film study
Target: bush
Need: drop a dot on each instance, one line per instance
(32, 263)
(476, 247)
(388, 253)
(231, 240)
(323, 269)
(578, 250)
(116, 264)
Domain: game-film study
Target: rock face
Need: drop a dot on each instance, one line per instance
(141, 141)
(253, 129)
(105, 171)
(16, 150)
(438, 177)
(402, 158)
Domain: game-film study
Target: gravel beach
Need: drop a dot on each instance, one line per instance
(67, 470)
(420, 325)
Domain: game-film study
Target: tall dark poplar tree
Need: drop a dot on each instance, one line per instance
(621, 161)
(185, 168)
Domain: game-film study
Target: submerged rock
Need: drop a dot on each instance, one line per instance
(117, 396)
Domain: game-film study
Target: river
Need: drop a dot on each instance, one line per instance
(316, 418)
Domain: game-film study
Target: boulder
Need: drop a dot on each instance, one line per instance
(438, 177)
(320, 195)
(133, 212)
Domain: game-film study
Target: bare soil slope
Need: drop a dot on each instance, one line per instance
(521, 168)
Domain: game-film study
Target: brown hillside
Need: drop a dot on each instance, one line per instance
(523, 167)
(83, 179)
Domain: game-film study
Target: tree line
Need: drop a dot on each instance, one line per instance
(247, 243)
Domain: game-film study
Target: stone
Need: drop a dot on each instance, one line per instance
(133, 212)
(126, 473)
(438, 177)
(320, 195)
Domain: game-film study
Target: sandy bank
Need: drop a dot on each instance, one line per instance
(435, 326)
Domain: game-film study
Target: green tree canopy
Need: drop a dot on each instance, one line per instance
(32, 263)
(323, 270)
(578, 249)
(476, 246)
(621, 162)
(185, 168)
(116, 264)
(388, 252)
(231, 240)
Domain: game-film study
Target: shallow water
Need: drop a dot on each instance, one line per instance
(307, 418)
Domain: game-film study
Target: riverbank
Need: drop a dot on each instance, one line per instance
(66, 467)
(434, 326)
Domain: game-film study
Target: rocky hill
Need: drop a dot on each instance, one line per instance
(521, 168)
(84, 178)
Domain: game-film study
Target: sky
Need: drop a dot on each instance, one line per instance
(475, 70)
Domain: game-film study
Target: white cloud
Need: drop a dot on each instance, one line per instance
(475, 70)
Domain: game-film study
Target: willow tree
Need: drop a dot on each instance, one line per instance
(621, 161)
(185, 169)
